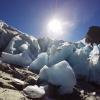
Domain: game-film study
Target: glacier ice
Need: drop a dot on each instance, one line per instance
(6, 34)
(34, 91)
(44, 43)
(80, 45)
(94, 54)
(52, 56)
(63, 52)
(79, 61)
(87, 64)
(4, 39)
(21, 49)
(60, 74)
(13, 45)
(39, 62)
(94, 64)
(95, 50)
(22, 43)
(21, 59)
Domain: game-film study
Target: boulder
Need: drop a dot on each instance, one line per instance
(93, 35)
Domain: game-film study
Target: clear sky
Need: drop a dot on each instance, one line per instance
(31, 16)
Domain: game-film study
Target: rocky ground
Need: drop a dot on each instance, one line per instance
(14, 79)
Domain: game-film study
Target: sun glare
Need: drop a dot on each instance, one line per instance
(55, 28)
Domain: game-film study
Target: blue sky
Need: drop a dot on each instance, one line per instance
(31, 16)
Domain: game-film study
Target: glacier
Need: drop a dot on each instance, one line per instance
(42, 55)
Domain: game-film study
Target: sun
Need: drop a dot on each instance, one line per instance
(55, 27)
